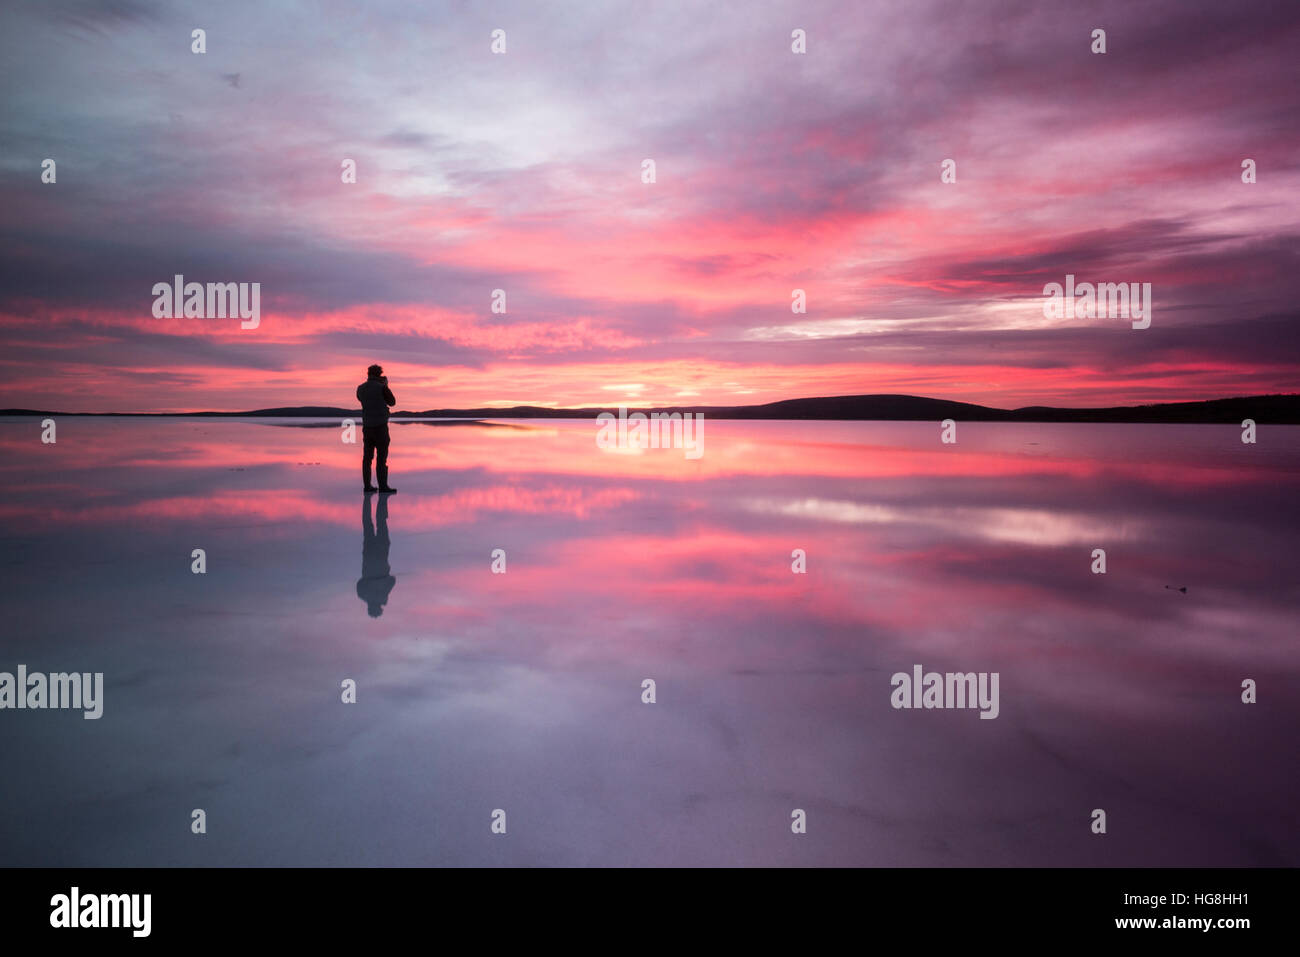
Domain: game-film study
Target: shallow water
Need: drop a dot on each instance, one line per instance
(522, 691)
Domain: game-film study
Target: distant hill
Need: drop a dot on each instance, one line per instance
(1273, 409)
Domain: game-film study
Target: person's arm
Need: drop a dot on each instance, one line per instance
(388, 393)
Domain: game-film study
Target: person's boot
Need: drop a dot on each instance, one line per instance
(383, 479)
(365, 477)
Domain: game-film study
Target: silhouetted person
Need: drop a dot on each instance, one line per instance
(376, 580)
(375, 399)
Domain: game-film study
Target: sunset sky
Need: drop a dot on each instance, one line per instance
(522, 172)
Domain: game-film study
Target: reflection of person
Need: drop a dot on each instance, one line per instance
(376, 580)
(375, 397)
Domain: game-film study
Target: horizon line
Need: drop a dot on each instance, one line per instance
(586, 410)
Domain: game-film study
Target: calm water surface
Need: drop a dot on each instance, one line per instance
(522, 691)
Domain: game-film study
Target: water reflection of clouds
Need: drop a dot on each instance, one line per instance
(1021, 526)
(773, 686)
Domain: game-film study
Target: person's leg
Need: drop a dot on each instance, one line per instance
(367, 451)
(381, 457)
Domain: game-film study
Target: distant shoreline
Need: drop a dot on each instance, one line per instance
(1283, 409)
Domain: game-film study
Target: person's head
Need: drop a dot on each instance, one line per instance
(375, 371)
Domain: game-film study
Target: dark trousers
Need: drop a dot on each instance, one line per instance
(375, 439)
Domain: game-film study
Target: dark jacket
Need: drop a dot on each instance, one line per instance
(375, 399)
